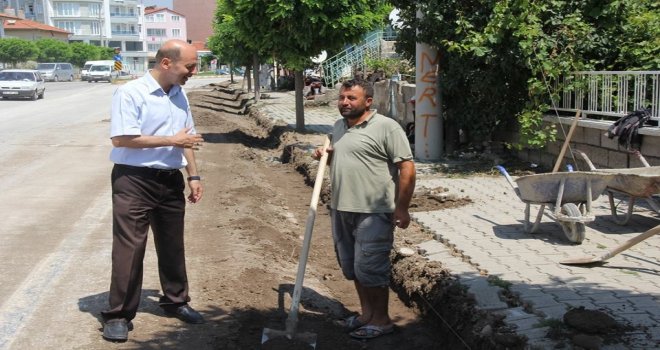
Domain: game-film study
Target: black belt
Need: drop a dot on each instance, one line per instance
(146, 170)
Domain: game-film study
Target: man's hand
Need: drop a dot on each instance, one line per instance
(318, 153)
(185, 140)
(195, 191)
(401, 218)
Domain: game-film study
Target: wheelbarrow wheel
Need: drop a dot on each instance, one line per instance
(574, 231)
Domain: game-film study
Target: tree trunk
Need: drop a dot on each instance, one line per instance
(257, 81)
(231, 73)
(246, 77)
(300, 111)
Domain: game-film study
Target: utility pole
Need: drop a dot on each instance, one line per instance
(101, 25)
(429, 138)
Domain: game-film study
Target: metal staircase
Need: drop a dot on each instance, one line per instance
(345, 63)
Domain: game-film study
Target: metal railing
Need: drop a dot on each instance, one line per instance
(125, 32)
(347, 62)
(609, 94)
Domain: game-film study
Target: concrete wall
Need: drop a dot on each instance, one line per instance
(392, 99)
(589, 137)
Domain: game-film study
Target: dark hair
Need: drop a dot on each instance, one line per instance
(173, 52)
(364, 84)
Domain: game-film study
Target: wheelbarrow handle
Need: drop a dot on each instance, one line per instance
(508, 178)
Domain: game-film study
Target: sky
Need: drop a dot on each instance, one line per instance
(159, 3)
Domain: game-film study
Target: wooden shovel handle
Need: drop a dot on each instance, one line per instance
(631, 242)
(566, 142)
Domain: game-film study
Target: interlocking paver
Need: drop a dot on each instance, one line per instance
(490, 234)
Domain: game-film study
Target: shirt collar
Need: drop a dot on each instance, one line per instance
(153, 86)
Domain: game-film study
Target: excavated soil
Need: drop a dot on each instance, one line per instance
(244, 240)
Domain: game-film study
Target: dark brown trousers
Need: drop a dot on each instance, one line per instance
(143, 198)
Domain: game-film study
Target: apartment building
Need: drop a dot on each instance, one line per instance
(162, 24)
(109, 23)
(200, 15)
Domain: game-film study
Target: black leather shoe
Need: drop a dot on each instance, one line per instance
(115, 330)
(186, 314)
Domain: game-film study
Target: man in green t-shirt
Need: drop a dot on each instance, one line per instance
(372, 176)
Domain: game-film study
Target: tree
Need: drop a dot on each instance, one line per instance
(500, 57)
(51, 50)
(13, 50)
(225, 42)
(292, 31)
(82, 52)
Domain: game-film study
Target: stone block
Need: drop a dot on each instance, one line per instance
(617, 159)
(597, 155)
(592, 136)
(651, 146)
(608, 143)
(547, 160)
(554, 147)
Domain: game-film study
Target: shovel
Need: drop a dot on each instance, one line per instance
(629, 243)
(292, 319)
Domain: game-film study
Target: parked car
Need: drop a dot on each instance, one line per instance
(21, 83)
(103, 72)
(84, 72)
(56, 71)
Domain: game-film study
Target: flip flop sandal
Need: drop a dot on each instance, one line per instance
(370, 331)
(350, 323)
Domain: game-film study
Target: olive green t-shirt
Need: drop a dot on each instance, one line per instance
(363, 173)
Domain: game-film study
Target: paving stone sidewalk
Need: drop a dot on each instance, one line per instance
(490, 238)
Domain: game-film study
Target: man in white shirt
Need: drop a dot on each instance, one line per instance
(153, 135)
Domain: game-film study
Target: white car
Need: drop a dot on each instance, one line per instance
(21, 83)
(103, 72)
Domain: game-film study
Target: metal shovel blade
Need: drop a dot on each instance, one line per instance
(303, 337)
(627, 244)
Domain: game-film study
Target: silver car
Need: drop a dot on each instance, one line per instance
(15, 83)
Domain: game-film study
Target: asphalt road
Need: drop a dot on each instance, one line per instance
(55, 205)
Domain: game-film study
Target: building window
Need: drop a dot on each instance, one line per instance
(69, 26)
(149, 18)
(153, 47)
(133, 46)
(67, 9)
(175, 18)
(176, 33)
(156, 32)
(95, 28)
(94, 10)
(160, 17)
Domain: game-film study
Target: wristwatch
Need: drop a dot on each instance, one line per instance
(195, 177)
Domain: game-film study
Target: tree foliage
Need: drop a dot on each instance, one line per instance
(13, 50)
(226, 41)
(82, 52)
(498, 57)
(292, 31)
(51, 50)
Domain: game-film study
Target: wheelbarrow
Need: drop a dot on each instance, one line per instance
(567, 196)
(632, 184)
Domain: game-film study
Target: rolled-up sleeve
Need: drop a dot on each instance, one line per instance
(124, 114)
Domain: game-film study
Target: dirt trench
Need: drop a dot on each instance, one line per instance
(258, 178)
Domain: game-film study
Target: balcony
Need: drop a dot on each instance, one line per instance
(125, 33)
(123, 18)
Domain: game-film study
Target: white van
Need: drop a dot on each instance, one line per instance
(84, 72)
(104, 72)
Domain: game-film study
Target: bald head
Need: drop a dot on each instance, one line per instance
(172, 49)
(176, 61)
